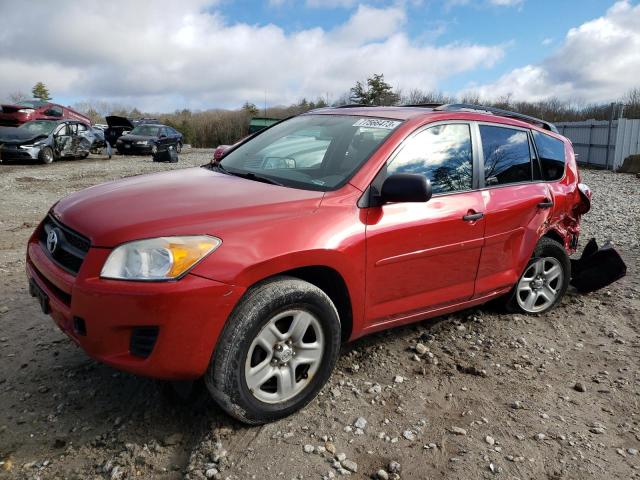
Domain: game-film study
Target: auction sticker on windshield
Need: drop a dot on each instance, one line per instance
(377, 123)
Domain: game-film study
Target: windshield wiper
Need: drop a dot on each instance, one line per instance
(248, 175)
(220, 168)
(257, 178)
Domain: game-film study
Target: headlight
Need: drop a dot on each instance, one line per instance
(164, 258)
(34, 145)
(26, 110)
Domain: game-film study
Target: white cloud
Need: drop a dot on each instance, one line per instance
(597, 61)
(330, 3)
(506, 3)
(547, 41)
(185, 54)
(449, 4)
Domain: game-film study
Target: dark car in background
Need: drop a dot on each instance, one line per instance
(118, 126)
(46, 141)
(21, 112)
(98, 141)
(149, 139)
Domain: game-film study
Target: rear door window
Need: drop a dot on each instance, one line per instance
(551, 155)
(507, 155)
(442, 154)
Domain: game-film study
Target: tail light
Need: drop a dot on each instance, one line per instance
(585, 199)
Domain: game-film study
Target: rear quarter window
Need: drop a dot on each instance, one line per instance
(551, 154)
(507, 157)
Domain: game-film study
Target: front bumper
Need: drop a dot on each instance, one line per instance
(102, 315)
(11, 153)
(133, 149)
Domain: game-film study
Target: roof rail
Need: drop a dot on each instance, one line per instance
(423, 105)
(353, 105)
(497, 111)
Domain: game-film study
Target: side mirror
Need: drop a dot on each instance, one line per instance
(219, 152)
(406, 187)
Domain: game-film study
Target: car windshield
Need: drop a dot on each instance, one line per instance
(145, 130)
(39, 127)
(313, 152)
(31, 103)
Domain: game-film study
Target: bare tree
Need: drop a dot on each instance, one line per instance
(17, 96)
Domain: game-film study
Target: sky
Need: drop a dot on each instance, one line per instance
(200, 54)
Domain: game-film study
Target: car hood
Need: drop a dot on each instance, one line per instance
(116, 121)
(135, 138)
(18, 135)
(185, 202)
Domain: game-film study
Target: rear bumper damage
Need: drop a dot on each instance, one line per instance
(597, 267)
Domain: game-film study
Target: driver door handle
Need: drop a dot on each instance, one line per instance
(472, 217)
(546, 203)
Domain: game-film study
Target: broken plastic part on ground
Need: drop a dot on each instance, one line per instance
(597, 267)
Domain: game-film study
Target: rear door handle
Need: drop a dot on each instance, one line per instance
(546, 203)
(472, 217)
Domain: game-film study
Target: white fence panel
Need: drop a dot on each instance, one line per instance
(589, 140)
(627, 140)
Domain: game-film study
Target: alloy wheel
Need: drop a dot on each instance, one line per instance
(540, 285)
(284, 356)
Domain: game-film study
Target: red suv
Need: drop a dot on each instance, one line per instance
(322, 228)
(28, 110)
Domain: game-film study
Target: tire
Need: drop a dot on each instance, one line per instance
(286, 383)
(544, 281)
(178, 147)
(154, 149)
(46, 155)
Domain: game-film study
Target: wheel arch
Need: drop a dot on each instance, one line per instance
(331, 282)
(553, 234)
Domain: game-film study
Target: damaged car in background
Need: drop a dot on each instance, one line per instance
(46, 141)
(13, 115)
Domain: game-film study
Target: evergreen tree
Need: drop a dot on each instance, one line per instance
(40, 91)
(376, 92)
(250, 109)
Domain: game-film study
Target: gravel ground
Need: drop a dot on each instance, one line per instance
(478, 394)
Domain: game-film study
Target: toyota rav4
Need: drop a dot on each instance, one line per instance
(325, 227)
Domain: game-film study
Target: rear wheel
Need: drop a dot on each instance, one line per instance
(178, 147)
(276, 352)
(46, 155)
(544, 281)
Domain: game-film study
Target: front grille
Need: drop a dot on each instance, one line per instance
(71, 247)
(143, 339)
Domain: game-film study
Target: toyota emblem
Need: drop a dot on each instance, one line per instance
(52, 241)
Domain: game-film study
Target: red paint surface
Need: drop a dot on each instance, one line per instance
(400, 262)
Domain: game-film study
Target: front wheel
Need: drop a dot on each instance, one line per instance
(276, 352)
(544, 281)
(178, 147)
(46, 155)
